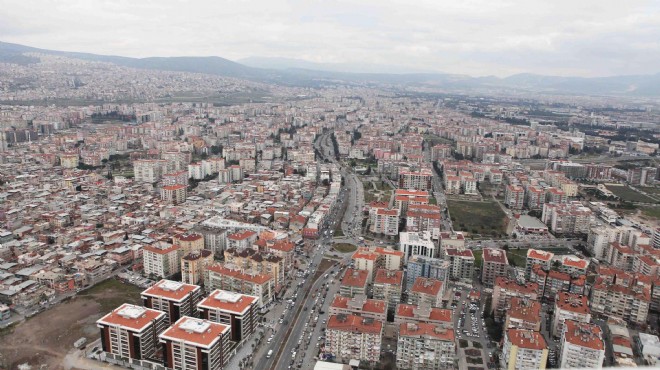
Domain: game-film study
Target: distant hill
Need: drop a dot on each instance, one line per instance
(303, 73)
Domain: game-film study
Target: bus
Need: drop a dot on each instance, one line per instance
(270, 353)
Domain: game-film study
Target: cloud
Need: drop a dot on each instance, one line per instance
(478, 37)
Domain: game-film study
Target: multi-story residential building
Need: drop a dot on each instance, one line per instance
(68, 160)
(384, 221)
(523, 350)
(538, 257)
(425, 346)
(514, 197)
(494, 264)
(423, 313)
(599, 240)
(359, 306)
(427, 291)
(174, 298)
(236, 310)
(366, 258)
(224, 277)
(505, 289)
(622, 299)
(174, 194)
(251, 260)
(418, 180)
(193, 265)
(646, 265)
(573, 265)
(555, 196)
(534, 198)
(417, 244)
(421, 217)
(130, 331)
(175, 178)
(161, 259)
(388, 286)
(354, 282)
(568, 218)
(189, 242)
(452, 184)
(433, 268)
(195, 344)
(241, 240)
(149, 170)
(523, 314)
(452, 240)
(351, 337)
(462, 263)
(582, 346)
(569, 307)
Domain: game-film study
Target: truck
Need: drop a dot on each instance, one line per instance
(270, 353)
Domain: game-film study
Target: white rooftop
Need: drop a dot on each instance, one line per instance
(226, 296)
(170, 285)
(195, 326)
(131, 311)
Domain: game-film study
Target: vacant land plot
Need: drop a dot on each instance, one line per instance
(47, 337)
(651, 212)
(629, 195)
(517, 257)
(345, 247)
(485, 218)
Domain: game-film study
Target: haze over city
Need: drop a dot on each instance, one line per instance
(565, 38)
(329, 185)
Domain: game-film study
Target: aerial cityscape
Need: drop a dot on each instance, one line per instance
(166, 211)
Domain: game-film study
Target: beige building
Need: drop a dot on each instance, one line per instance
(194, 264)
(425, 346)
(161, 259)
(174, 194)
(351, 337)
(523, 350)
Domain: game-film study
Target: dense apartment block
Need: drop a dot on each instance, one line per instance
(354, 282)
(427, 291)
(351, 337)
(161, 259)
(359, 305)
(193, 266)
(514, 197)
(218, 276)
(433, 268)
(175, 299)
(384, 221)
(620, 299)
(195, 344)
(174, 194)
(523, 314)
(537, 257)
(582, 346)
(416, 180)
(569, 307)
(425, 346)
(462, 263)
(388, 286)
(523, 350)
(370, 259)
(417, 244)
(423, 313)
(236, 310)
(568, 218)
(495, 264)
(505, 289)
(131, 332)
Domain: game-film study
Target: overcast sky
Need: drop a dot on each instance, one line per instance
(476, 37)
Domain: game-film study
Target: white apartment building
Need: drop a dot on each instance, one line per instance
(569, 306)
(425, 346)
(523, 350)
(162, 260)
(582, 346)
(350, 337)
(417, 244)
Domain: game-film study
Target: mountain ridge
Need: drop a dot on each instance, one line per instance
(289, 72)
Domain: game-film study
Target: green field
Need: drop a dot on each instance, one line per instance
(629, 195)
(485, 218)
(651, 212)
(345, 247)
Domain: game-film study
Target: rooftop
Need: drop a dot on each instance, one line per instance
(427, 330)
(527, 339)
(228, 301)
(355, 324)
(131, 317)
(197, 332)
(171, 290)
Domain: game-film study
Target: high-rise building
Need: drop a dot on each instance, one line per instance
(388, 286)
(523, 350)
(174, 298)
(130, 331)
(569, 307)
(425, 346)
(161, 259)
(494, 264)
(417, 244)
(582, 346)
(236, 310)
(351, 337)
(195, 344)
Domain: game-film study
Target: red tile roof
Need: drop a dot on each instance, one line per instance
(527, 339)
(237, 274)
(171, 248)
(428, 330)
(226, 301)
(171, 290)
(583, 334)
(572, 302)
(197, 332)
(388, 277)
(131, 317)
(539, 255)
(355, 324)
(355, 278)
(427, 286)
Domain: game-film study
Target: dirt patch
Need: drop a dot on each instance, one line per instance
(47, 337)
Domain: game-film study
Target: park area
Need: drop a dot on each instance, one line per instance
(627, 194)
(478, 218)
(45, 339)
(345, 247)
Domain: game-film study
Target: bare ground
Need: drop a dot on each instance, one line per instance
(45, 339)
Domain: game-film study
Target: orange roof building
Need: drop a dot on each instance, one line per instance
(197, 342)
(239, 311)
(130, 331)
(173, 298)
